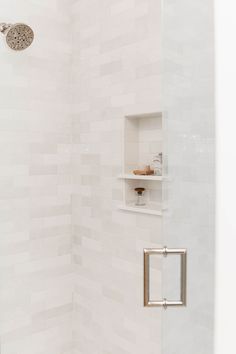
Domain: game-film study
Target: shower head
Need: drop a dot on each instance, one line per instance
(18, 36)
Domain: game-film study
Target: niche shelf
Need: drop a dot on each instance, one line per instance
(142, 141)
(144, 178)
(147, 209)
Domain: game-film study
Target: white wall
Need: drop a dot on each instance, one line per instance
(35, 213)
(226, 176)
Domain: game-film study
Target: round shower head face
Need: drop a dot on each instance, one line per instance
(19, 36)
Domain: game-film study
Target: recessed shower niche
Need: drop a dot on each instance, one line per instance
(142, 163)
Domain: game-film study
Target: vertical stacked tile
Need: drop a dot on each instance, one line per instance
(35, 179)
(116, 71)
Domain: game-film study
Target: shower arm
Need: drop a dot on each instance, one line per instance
(4, 27)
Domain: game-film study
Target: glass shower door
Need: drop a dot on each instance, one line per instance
(189, 190)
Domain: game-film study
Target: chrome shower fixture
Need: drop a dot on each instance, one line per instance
(18, 36)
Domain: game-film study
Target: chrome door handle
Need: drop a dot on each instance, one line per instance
(183, 288)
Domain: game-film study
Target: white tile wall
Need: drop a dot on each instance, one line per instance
(70, 261)
(35, 182)
(116, 59)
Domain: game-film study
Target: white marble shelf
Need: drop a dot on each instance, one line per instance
(138, 177)
(146, 209)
